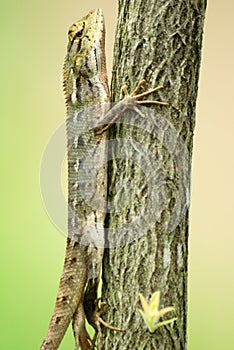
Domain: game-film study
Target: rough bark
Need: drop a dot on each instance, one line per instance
(159, 41)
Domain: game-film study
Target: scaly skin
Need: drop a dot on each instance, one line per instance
(85, 85)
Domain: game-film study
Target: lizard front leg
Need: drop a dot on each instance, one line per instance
(130, 101)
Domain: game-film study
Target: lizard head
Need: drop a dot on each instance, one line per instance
(85, 53)
(85, 63)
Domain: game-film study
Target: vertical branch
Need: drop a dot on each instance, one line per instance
(159, 41)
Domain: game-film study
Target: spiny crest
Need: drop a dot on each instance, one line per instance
(65, 82)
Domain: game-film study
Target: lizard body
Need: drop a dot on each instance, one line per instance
(87, 97)
(85, 85)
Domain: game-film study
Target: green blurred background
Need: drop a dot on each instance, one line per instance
(33, 44)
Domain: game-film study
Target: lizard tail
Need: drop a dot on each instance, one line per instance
(69, 298)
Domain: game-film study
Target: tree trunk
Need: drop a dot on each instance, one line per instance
(149, 173)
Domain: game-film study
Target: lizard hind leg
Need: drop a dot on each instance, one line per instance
(98, 322)
(82, 338)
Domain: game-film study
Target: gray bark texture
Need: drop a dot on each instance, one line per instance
(149, 170)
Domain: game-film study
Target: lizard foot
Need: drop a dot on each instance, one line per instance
(137, 97)
(98, 322)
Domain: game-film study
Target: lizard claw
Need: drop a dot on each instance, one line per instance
(124, 90)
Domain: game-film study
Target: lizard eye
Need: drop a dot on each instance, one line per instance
(76, 30)
(79, 33)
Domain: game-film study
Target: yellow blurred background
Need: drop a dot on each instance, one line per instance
(33, 43)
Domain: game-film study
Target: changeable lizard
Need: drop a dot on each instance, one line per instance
(87, 97)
